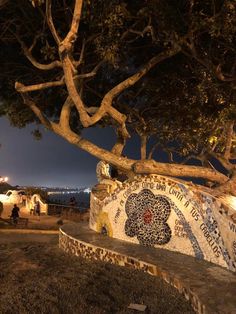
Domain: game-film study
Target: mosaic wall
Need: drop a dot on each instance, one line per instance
(77, 247)
(160, 212)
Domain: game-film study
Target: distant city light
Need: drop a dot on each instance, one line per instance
(87, 190)
(5, 179)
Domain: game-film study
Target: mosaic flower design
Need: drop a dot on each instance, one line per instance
(147, 216)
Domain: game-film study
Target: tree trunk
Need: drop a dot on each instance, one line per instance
(143, 147)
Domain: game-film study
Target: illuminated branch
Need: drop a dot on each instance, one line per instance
(229, 136)
(179, 170)
(50, 21)
(143, 147)
(64, 121)
(147, 29)
(71, 87)
(225, 162)
(34, 43)
(27, 53)
(120, 143)
(20, 87)
(106, 104)
(32, 105)
(138, 75)
(216, 70)
(68, 42)
(229, 186)
(152, 150)
(25, 89)
(65, 49)
(223, 77)
(81, 57)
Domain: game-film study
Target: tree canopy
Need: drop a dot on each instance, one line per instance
(162, 70)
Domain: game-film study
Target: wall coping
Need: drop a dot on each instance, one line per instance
(210, 288)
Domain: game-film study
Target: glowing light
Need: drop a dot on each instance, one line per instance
(87, 190)
(5, 179)
(229, 200)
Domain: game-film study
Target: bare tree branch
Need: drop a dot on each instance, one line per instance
(229, 136)
(25, 89)
(147, 29)
(32, 105)
(81, 57)
(143, 147)
(201, 158)
(71, 87)
(115, 91)
(224, 162)
(27, 53)
(120, 143)
(64, 121)
(33, 43)
(20, 87)
(179, 170)
(68, 42)
(154, 147)
(50, 22)
(223, 77)
(189, 41)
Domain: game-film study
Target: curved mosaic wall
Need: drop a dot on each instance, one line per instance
(161, 212)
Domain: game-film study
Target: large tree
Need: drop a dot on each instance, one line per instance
(160, 69)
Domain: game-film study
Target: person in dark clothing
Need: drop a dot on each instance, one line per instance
(1, 208)
(37, 208)
(15, 213)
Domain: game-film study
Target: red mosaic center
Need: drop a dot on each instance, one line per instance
(147, 216)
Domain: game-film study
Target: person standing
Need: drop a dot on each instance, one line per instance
(15, 213)
(37, 208)
(1, 208)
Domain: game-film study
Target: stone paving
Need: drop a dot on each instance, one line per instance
(210, 288)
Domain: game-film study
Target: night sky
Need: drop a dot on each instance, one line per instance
(48, 162)
(51, 161)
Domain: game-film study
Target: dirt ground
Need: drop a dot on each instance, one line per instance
(37, 277)
(35, 222)
(40, 278)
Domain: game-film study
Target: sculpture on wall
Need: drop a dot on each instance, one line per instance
(103, 172)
